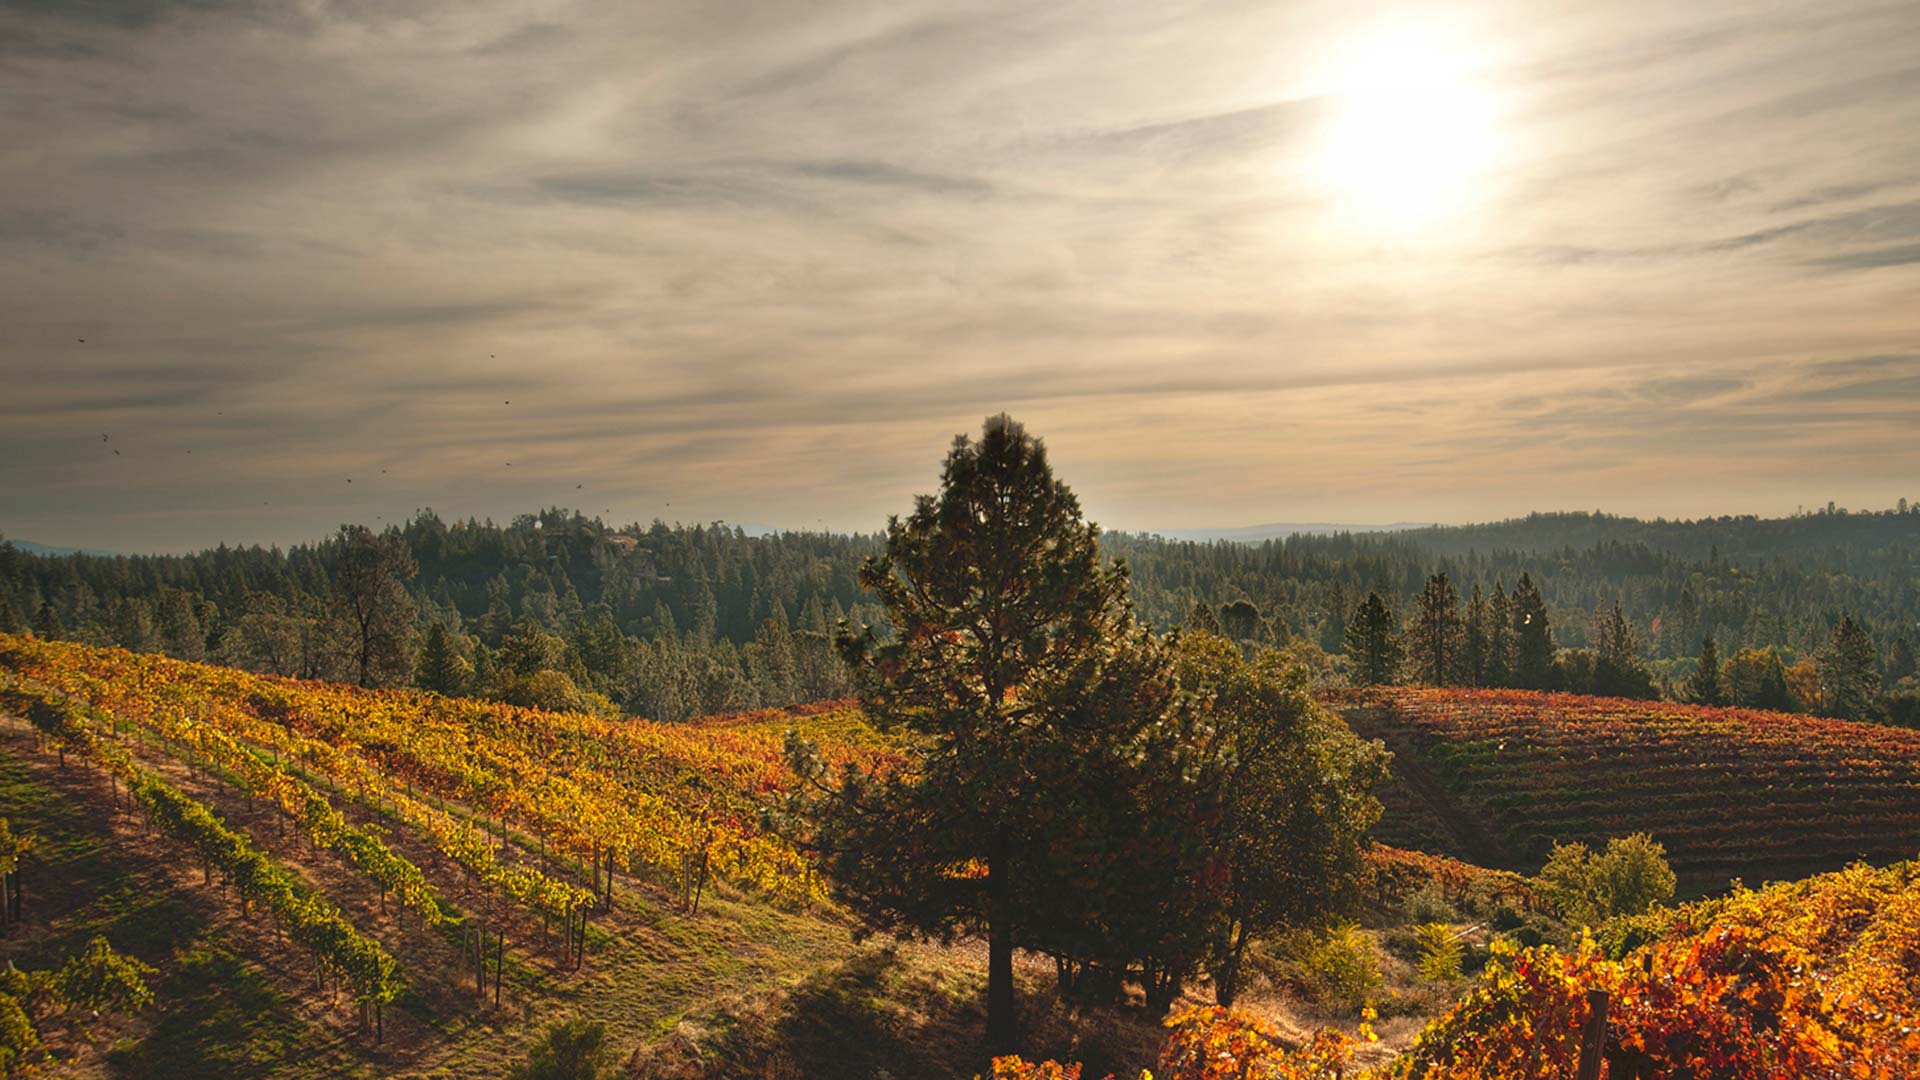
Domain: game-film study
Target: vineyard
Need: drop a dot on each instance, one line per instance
(1806, 979)
(1730, 792)
(408, 878)
(436, 854)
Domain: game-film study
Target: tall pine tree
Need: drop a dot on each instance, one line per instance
(1434, 637)
(1499, 637)
(1532, 638)
(1473, 643)
(1849, 672)
(1004, 620)
(1703, 686)
(442, 669)
(1373, 643)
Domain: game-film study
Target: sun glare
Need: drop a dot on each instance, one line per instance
(1413, 133)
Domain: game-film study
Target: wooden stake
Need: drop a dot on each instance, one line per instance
(1593, 1036)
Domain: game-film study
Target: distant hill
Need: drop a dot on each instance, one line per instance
(32, 548)
(1253, 534)
(1839, 537)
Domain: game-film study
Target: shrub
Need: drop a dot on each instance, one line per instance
(1339, 968)
(1630, 877)
(1440, 952)
(570, 1050)
(1429, 903)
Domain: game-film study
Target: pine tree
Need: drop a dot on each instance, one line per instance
(664, 627)
(1849, 672)
(47, 623)
(1373, 642)
(1473, 645)
(1532, 638)
(132, 624)
(178, 627)
(442, 669)
(1703, 686)
(1617, 669)
(1774, 693)
(1434, 637)
(1900, 662)
(776, 675)
(1333, 628)
(1012, 643)
(1499, 638)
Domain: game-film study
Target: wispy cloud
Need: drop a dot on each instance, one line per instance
(761, 261)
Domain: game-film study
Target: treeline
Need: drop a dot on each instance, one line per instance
(677, 621)
(1499, 640)
(552, 609)
(1744, 581)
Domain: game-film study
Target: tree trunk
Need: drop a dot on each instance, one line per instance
(1003, 1033)
(1227, 987)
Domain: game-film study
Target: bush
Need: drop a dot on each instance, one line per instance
(1429, 903)
(1339, 968)
(570, 1050)
(1630, 877)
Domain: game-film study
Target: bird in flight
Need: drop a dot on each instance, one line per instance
(116, 453)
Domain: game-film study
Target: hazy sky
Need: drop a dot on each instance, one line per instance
(1237, 262)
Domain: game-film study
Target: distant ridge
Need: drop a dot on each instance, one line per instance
(1253, 534)
(31, 548)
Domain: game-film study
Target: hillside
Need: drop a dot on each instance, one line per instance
(1803, 979)
(424, 830)
(313, 870)
(1498, 776)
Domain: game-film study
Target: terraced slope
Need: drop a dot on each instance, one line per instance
(1730, 792)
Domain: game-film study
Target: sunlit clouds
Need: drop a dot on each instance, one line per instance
(1414, 132)
(1238, 262)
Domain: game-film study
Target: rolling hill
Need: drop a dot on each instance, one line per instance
(333, 882)
(338, 882)
(1498, 776)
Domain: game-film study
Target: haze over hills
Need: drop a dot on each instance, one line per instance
(32, 548)
(1253, 534)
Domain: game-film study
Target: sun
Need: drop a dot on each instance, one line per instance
(1412, 133)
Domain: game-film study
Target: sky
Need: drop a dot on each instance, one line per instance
(270, 267)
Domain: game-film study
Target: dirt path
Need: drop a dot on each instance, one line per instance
(1473, 838)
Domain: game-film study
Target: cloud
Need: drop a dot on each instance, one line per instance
(764, 261)
(1874, 259)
